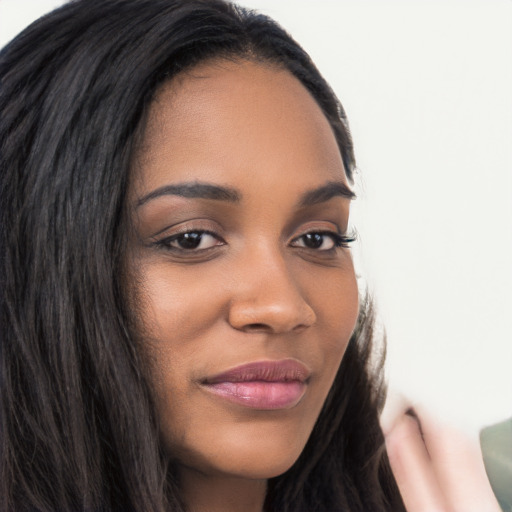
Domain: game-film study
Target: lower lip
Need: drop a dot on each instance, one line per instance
(260, 394)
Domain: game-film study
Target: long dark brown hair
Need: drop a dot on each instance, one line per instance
(78, 430)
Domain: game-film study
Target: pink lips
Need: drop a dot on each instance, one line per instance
(264, 385)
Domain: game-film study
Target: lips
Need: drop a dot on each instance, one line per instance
(264, 385)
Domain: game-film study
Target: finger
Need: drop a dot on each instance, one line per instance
(412, 467)
(458, 464)
(395, 407)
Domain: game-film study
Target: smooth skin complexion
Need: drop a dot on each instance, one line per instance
(241, 209)
(247, 295)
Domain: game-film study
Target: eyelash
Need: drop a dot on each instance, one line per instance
(339, 241)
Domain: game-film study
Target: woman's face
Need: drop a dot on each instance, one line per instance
(247, 294)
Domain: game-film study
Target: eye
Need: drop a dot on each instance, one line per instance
(198, 240)
(322, 240)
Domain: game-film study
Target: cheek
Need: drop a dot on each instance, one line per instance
(176, 312)
(337, 307)
(334, 295)
(178, 307)
(181, 324)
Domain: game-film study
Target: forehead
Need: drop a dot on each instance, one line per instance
(224, 119)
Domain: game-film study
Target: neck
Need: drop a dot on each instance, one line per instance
(207, 493)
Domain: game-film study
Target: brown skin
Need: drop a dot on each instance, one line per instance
(252, 290)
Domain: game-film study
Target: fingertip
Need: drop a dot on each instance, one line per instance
(395, 406)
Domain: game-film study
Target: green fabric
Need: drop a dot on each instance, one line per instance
(496, 443)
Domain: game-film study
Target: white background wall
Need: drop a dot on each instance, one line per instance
(428, 89)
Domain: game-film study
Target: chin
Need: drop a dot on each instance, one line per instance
(254, 466)
(249, 451)
(263, 467)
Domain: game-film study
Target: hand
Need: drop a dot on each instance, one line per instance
(437, 468)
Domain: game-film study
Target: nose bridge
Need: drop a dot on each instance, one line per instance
(267, 295)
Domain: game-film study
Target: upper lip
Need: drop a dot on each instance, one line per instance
(267, 371)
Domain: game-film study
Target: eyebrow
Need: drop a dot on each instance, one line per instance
(326, 192)
(194, 191)
(198, 190)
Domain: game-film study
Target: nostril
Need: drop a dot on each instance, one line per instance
(257, 327)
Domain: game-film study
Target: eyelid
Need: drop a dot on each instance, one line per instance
(193, 224)
(165, 237)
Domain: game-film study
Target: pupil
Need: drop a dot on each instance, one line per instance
(189, 240)
(313, 240)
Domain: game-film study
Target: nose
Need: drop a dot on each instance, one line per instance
(267, 299)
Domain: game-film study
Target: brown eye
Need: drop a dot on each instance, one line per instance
(192, 240)
(317, 241)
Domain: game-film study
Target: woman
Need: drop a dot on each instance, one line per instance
(180, 318)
